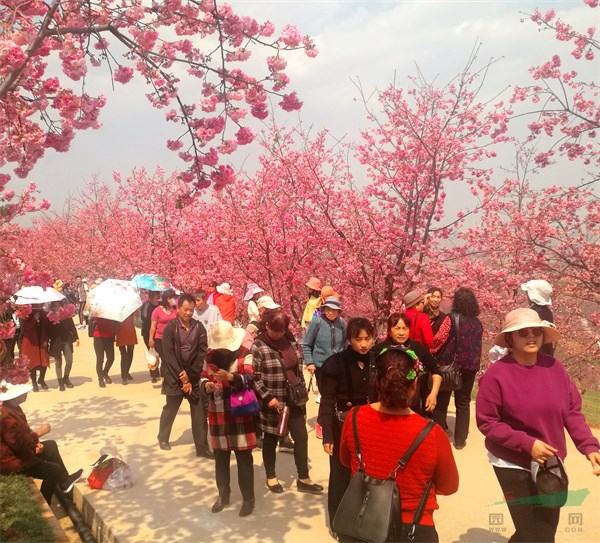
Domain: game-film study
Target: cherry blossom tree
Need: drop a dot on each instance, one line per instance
(168, 44)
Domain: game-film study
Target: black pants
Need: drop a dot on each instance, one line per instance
(82, 319)
(423, 534)
(102, 346)
(66, 350)
(51, 470)
(198, 415)
(462, 401)
(297, 429)
(245, 473)
(533, 523)
(126, 359)
(32, 374)
(339, 475)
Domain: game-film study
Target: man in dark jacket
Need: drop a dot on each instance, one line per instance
(184, 347)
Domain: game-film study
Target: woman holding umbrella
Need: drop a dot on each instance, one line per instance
(36, 334)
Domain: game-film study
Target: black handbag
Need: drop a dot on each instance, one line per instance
(297, 394)
(451, 375)
(370, 509)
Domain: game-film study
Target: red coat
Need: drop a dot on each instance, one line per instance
(36, 334)
(17, 441)
(226, 305)
(126, 333)
(384, 439)
(420, 327)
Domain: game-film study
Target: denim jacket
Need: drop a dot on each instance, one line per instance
(323, 338)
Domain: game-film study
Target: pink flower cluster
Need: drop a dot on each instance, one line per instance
(63, 312)
(157, 37)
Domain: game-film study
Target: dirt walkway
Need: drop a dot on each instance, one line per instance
(174, 490)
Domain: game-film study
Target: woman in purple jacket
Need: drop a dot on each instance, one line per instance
(526, 400)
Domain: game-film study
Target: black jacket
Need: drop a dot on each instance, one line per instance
(172, 363)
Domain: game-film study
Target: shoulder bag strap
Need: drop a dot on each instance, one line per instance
(409, 452)
(456, 320)
(402, 462)
(361, 465)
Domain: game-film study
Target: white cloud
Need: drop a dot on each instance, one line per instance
(369, 40)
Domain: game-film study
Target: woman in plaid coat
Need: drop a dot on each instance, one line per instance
(228, 368)
(277, 363)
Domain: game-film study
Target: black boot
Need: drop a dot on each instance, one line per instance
(61, 385)
(33, 381)
(66, 381)
(41, 380)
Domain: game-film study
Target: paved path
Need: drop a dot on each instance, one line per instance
(174, 490)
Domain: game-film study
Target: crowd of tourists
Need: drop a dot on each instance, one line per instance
(247, 388)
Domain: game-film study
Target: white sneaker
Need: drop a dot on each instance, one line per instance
(318, 400)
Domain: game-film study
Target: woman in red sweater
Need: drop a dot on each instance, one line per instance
(388, 427)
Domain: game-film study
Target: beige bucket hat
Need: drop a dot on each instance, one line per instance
(518, 319)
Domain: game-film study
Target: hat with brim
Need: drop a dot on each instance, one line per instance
(225, 288)
(538, 291)
(551, 480)
(252, 289)
(333, 303)
(517, 319)
(8, 391)
(266, 302)
(314, 283)
(412, 298)
(224, 336)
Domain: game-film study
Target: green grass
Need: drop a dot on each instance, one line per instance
(20, 514)
(591, 407)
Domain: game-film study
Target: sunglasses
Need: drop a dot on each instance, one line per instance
(524, 332)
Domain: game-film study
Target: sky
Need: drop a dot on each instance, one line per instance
(374, 42)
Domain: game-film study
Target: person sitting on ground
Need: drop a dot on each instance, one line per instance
(388, 427)
(21, 450)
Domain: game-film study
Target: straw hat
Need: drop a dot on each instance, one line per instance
(521, 318)
(412, 298)
(314, 283)
(266, 302)
(225, 288)
(58, 285)
(8, 391)
(224, 336)
(538, 291)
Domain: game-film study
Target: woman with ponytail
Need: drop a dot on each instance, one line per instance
(388, 427)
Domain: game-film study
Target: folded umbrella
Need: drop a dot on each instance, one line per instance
(37, 295)
(114, 299)
(151, 281)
